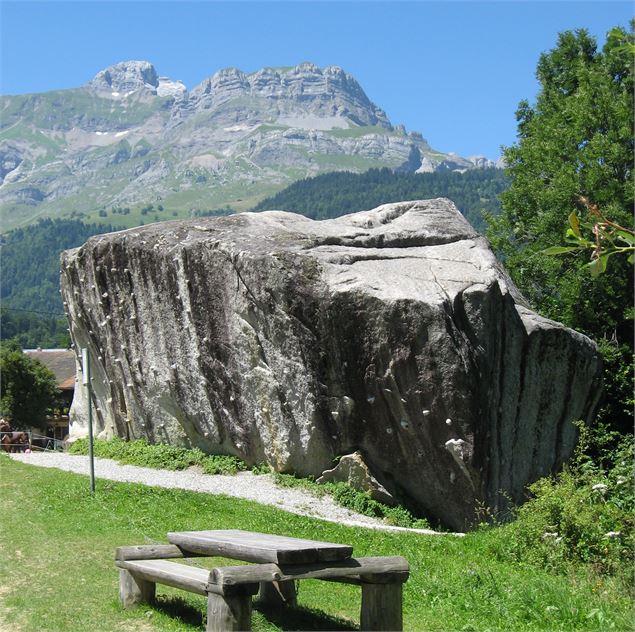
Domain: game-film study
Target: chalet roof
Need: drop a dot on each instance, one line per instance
(61, 362)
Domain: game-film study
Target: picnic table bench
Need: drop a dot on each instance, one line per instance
(277, 562)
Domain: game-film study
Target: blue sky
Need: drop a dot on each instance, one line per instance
(454, 71)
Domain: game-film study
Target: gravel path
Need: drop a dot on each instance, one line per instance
(258, 488)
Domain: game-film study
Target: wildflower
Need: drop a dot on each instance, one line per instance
(613, 534)
(600, 487)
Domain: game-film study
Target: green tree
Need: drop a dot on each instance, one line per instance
(30, 270)
(603, 237)
(28, 389)
(31, 329)
(574, 152)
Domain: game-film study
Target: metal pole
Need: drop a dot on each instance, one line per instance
(86, 380)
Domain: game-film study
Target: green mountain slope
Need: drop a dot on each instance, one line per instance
(29, 280)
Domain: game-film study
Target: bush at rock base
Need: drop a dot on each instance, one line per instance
(582, 516)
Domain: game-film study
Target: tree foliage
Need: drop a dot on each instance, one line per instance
(32, 330)
(333, 194)
(28, 389)
(575, 142)
(29, 276)
(603, 237)
(574, 153)
(29, 280)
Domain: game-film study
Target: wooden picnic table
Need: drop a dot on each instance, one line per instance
(277, 563)
(249, 546)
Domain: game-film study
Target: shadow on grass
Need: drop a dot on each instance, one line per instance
(291, 618)
(301, 618)
(180, 610)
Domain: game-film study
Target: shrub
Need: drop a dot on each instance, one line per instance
(222, 464)
(582, 516)
(261, 468)
(363, 503)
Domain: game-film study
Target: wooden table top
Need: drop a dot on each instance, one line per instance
(249, 546)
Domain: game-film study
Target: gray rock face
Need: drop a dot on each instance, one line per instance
(10, 160)
(281, 339)
(302, 90)
(126, 77)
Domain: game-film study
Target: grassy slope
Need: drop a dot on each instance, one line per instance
(58, 571)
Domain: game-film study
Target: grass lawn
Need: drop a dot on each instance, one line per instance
(57, 570)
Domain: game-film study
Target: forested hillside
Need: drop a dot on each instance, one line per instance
(34, 329)
(29, 279)
(334, 194)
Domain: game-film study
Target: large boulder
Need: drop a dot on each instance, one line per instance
(281, 339)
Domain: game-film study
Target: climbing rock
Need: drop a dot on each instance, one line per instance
(281, 339)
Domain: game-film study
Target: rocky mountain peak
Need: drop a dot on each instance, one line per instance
(126, 77)
(159, 142)
(305, 90)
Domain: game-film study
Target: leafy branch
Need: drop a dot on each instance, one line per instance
(600, 235)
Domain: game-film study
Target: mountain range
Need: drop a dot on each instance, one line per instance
(130, 138)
